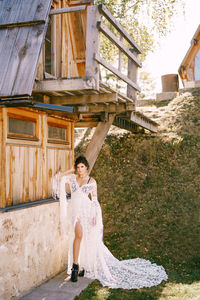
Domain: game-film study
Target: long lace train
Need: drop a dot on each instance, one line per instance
(94, 256)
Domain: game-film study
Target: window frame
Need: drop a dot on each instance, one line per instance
(59, 124)
(21, 136)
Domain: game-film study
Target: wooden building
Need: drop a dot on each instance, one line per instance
(189, 69)
(51, 82)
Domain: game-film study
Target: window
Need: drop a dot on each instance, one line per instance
(57, 134)
(21, 127)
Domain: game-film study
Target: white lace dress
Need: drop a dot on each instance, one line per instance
(94, 256)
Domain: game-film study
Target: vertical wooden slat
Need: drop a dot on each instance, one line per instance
(1, 162)
(72, 145)
(53, 46)
(26, 175)
(73, 47)
(92, 47)
(132, 74)
(44, 132)
(3, 158)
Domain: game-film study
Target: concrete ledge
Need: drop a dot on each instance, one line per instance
(58, 288)
(166, 96)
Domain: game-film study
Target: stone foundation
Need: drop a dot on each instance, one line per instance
(32, 248)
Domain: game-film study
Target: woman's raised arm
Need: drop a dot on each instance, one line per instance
(67, 172)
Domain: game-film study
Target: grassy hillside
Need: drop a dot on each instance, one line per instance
(149, 189)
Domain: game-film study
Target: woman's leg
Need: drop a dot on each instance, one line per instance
(77, 241)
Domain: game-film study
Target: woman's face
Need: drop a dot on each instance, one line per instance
(81, 169)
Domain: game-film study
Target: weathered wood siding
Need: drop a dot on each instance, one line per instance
(22, 29)
(28, 166)
(68, 43)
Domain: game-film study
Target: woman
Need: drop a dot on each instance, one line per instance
(87, 251)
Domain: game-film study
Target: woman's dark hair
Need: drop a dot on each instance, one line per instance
(83, 160)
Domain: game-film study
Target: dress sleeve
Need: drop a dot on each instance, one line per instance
(95, 202)
(58, 185)
(59, 192)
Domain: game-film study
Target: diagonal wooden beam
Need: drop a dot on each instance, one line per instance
(118, 26)
(104, 29)
(85, 99)
(97, 140)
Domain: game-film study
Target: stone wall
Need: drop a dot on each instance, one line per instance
(32, 248)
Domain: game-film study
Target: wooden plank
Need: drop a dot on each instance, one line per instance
(85, 99)
(10, 11)
(108, 66)
(132, 75)
(78, 24)
(23, 10)
(20, 74)
(75, 2)
(97, 140)
(67, 10)
(100, 108)
(92, 46)
(22, 24)
(44, 137)
(118, 26)
(15, 173)
(7, 41)
(86, 124)
(143, 122)
(72, 52)
(1, 162)
(53, 48)
(21, 53)
(3, 123)
(8, 174)
(104, 29)
(62, 85)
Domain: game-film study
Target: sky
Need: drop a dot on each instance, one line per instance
(167, 59)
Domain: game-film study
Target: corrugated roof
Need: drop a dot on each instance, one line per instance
(23, 25)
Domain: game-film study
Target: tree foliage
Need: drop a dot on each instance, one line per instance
(145, 20)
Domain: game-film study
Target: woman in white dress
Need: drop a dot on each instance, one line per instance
(87, 253)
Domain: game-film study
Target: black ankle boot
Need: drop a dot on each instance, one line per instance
(74, 275)
(81, 273)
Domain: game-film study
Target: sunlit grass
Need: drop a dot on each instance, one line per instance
(179, 291)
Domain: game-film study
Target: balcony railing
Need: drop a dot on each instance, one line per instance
(75, 51)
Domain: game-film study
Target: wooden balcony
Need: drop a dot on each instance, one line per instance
(69, 71)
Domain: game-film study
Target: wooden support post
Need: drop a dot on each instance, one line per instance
(92, 47)
(3, 121)
(97, 140)
(132, 74)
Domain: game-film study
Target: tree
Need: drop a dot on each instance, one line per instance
(145, 20)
